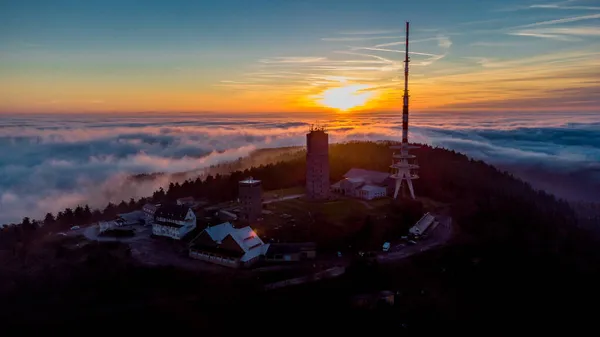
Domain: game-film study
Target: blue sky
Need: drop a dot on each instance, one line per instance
(64, 55)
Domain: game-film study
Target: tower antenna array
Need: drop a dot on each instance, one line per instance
(404, 164)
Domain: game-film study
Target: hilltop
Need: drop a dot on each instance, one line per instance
(518, 254)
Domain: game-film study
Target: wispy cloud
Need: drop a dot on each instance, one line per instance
(540, 61)
(568, 4)
(481, 22)
(359, 38)
(494, 44)
(563, 20)
(293, 59)
(558, 6)
(444, 42)
(372, 32)
(382, 59)
(392, 51)
(430, 60)
(579, 30)
(560, 33)
(532, 33)
(396, 43)
(438, 77)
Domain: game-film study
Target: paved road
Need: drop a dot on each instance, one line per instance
(146, 250)
(91, 233)
(438, 237)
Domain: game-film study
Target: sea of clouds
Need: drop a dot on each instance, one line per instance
(49, 162)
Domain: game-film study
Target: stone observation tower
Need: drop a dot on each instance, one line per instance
(317, 163)
(250, 195)
(404, 165)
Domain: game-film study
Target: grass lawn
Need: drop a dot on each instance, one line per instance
(293, 220)
(431, 205)
(377, 203)
(332, 222)
(283, 192)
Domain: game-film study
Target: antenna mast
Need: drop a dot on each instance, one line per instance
(405, 106)
(404, 164)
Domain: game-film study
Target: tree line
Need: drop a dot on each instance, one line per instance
(490, 205)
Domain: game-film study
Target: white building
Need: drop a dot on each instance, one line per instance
(149, 210)
(370, 192)
(422, 225)
(364, 184)
(228, 246)
(173, 221)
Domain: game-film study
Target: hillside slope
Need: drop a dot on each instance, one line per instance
(520, 258)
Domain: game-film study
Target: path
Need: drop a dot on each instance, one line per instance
(439, 236)
(92, 233)
(335, 267)
(287, 197)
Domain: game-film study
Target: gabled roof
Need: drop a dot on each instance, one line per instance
(372, 188)
(150, 208)
(170, 211)
(131, 216)
(423, 224)
(356, 180)
(245, 238)
(373, 177)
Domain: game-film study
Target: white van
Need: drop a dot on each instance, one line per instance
(386, 246)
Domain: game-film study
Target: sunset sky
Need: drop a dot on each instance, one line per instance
(297, 56)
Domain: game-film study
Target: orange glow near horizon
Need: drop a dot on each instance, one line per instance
(555, 81)
(346, 97)
(313, 63)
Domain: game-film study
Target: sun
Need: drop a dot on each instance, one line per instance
(346, 97)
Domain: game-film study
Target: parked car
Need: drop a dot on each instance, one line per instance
(386, 246)
(74, 228)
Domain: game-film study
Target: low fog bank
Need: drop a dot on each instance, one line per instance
(48, 164)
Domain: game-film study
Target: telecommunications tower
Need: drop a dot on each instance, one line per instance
(404, 165)
(317, 163)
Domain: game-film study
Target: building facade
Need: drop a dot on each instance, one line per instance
(173, 221)
(370, 192)
(250, 196)
(423, 225)
(149, 210)
(317, 164)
